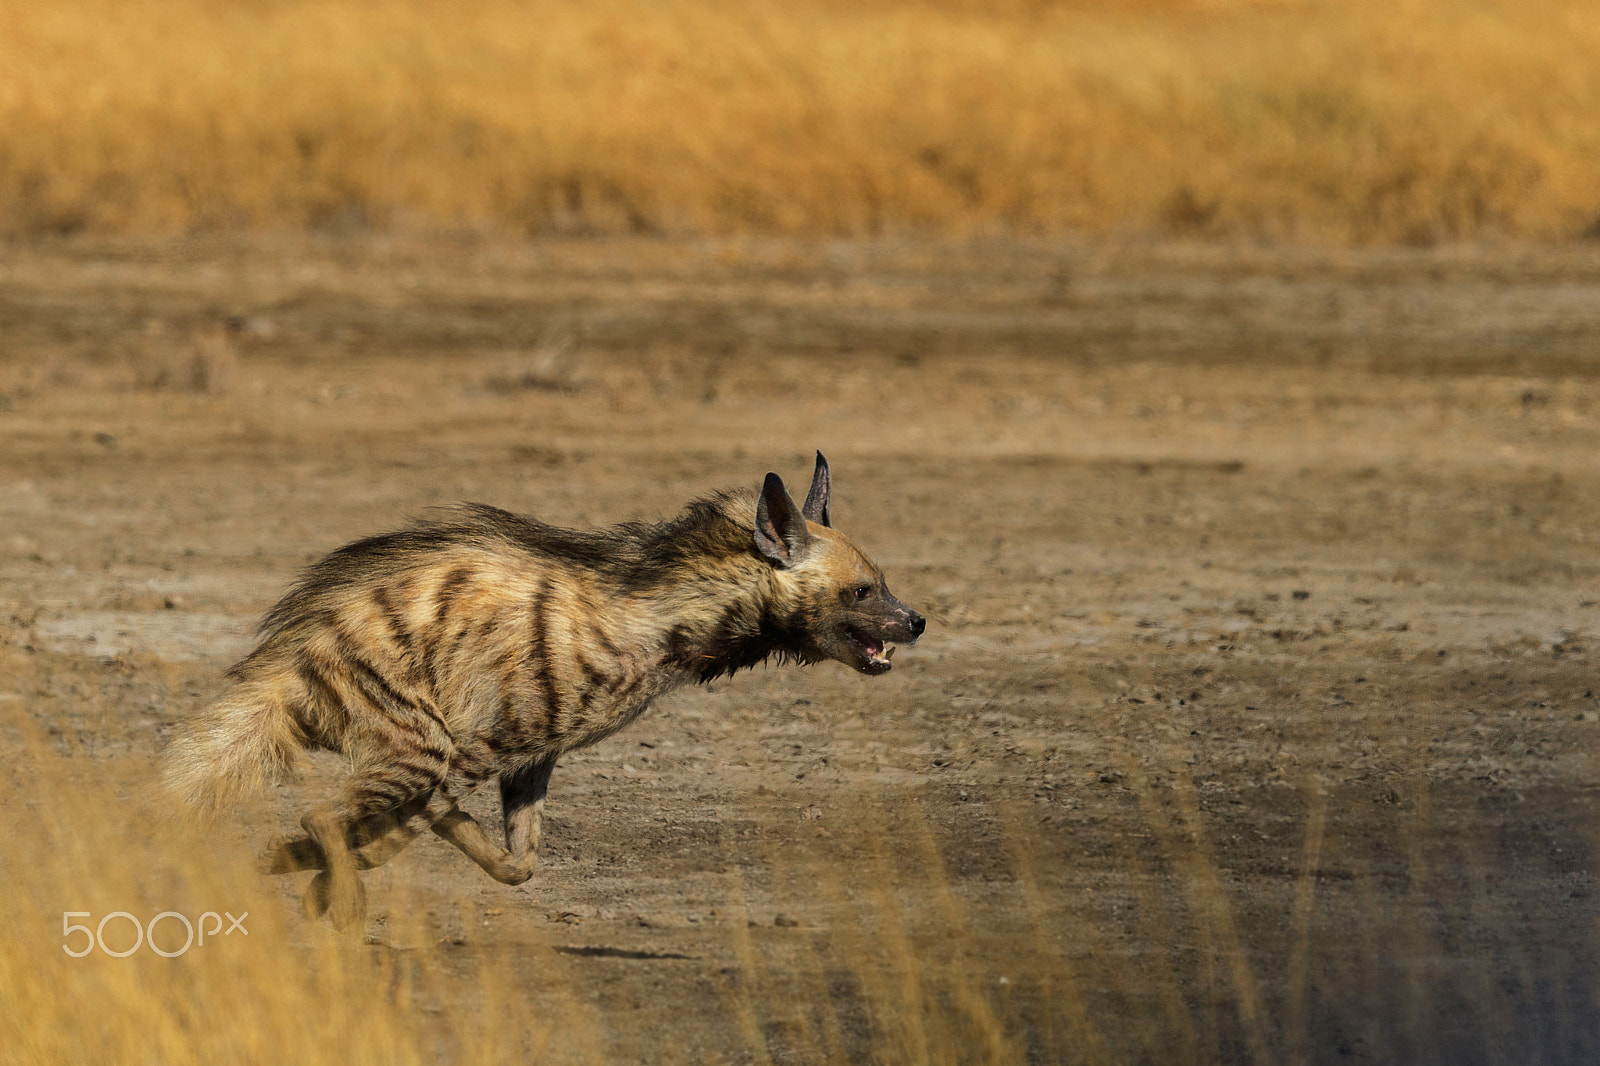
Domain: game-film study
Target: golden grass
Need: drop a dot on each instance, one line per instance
(280, 992)
(290, 990)
(1327, 120)
(896, 960)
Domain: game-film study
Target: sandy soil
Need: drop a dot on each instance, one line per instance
(1256, 717)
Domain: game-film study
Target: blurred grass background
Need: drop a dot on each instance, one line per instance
(1329, 121)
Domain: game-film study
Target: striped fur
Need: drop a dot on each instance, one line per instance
(485, 644)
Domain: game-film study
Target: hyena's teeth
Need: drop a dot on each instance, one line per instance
(888, 651)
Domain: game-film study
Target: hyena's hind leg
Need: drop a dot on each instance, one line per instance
(337, 891)
(522, 795)
(372, 843)
(394, 794)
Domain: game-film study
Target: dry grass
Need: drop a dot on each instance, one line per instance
(896, 958)
(1329, 120)
(289, 990)
(280, 992)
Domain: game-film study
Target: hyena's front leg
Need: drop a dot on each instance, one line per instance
(463, 830)
(522, 796)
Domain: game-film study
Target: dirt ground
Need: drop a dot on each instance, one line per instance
(1256, 718)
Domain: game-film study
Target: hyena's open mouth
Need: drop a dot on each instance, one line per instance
(875, 655)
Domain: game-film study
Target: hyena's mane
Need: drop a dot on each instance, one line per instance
(631, 557)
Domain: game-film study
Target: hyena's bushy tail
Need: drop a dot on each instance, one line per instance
(237, 746)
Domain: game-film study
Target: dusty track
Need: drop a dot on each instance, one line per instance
(1238, 565)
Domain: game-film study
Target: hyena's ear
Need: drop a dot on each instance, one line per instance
(781, 534)
(816, 508)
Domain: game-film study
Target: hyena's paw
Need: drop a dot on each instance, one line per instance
(285, 855)
(343, 900)
(511, 871)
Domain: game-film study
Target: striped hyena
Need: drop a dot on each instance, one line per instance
(485, 644)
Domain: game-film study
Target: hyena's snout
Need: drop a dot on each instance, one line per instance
(904, 625)
(874, 635)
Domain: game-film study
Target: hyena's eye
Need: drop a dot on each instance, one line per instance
(861, 592)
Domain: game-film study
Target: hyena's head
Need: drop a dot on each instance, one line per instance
(836, 604)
